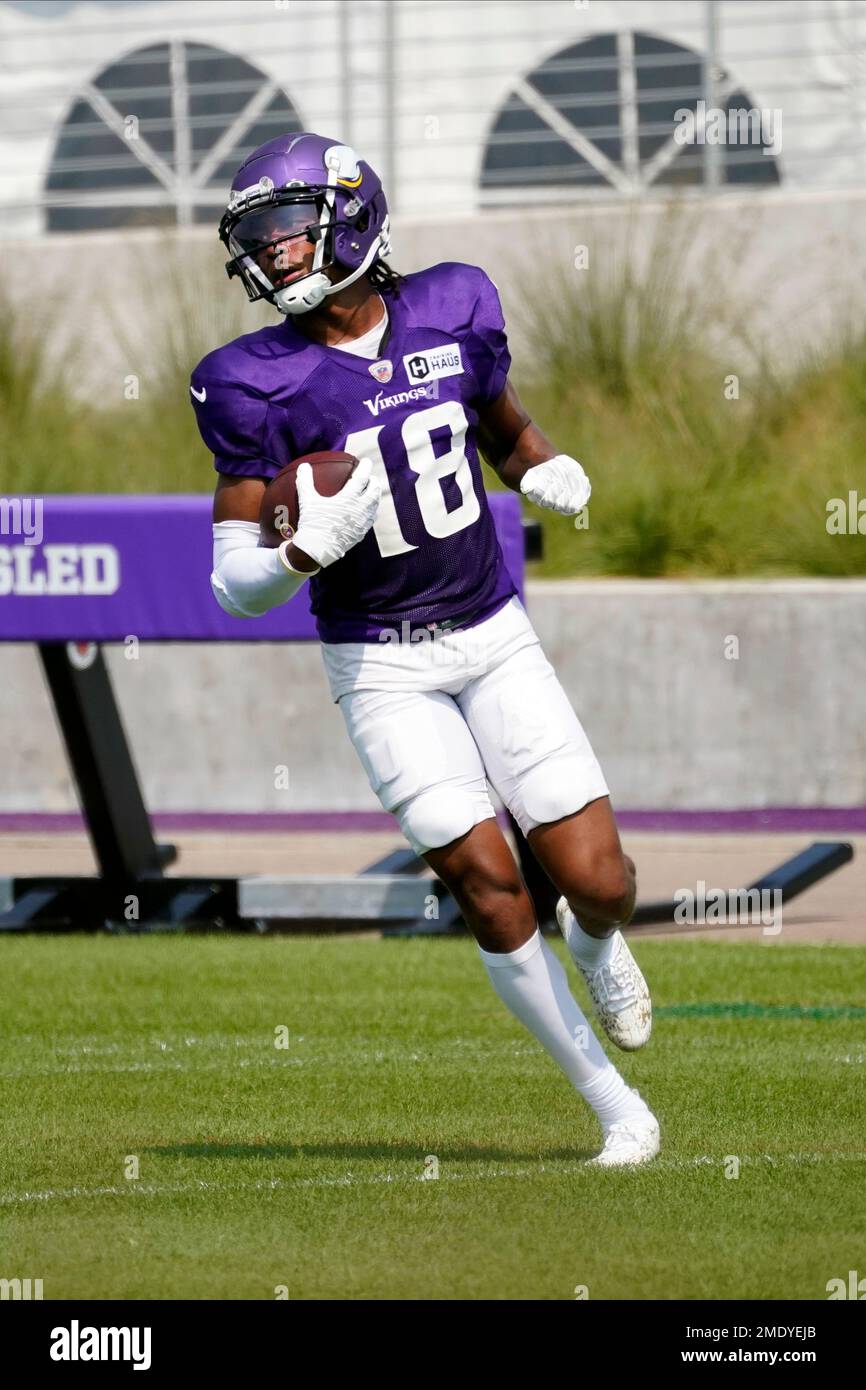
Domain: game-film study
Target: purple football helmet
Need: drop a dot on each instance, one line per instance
(303, 185)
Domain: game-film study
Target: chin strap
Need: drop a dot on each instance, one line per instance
(307, 294)
(303, 295)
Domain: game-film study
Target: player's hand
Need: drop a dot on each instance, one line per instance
(329, 526)
(559, 484)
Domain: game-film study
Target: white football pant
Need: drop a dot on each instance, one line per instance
(437, 721)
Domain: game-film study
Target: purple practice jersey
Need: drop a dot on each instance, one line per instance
(272, 396)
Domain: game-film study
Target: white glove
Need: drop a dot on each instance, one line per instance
(559, 483)
(329, 526)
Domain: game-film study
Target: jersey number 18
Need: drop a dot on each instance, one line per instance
(416, 434)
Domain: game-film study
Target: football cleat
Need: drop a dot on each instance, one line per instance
(628, 1143)
(618, 989)
(308, 187)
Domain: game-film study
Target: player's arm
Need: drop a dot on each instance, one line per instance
(249, 579)
(240, 499)
(509, 440)
(524, 458)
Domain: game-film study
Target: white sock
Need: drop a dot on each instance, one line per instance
(533, 985)
(586, 950)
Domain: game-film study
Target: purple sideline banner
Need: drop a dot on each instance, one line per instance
(108, 567)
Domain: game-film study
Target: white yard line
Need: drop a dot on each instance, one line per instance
(86, 1069)
(188, 1061)
(140, 1189)
(164, 1064)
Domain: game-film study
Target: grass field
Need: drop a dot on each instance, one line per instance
(262, 1166)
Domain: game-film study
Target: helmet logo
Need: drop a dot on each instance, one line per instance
(353, 206)
(342, 162)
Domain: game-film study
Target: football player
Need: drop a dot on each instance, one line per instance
(429, 653)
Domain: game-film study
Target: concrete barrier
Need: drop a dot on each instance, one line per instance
(704, 694)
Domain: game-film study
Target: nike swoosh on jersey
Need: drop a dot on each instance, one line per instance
(198, 397)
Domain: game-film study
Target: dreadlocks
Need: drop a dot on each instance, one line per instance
(384, 278)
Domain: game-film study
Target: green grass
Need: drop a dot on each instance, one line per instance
(262, 1167)
(140, 436)
(710, 454)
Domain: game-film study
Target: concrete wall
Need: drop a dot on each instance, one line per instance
(676, 723)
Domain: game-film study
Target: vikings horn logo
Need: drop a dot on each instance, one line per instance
(343, 162)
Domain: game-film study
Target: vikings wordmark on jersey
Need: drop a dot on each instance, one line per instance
(432, 555)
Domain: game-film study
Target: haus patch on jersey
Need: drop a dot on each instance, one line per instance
(433, 363)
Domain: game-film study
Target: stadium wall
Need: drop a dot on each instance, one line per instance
(703, 694)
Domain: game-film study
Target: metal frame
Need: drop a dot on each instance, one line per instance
(792, 877)
(130, 891)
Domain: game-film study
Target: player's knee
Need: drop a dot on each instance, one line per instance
(436, 817)
(604, 884)
(496, 898)
(551, 791)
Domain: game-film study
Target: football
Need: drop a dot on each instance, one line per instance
(278, 517)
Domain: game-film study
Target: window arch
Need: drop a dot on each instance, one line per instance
(603, 114)
(156, 137)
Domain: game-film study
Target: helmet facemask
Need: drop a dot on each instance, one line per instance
(349, 230)
(263, 238)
